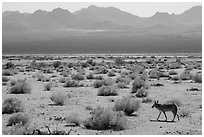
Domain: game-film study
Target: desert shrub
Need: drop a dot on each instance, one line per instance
(89, 107)
(175, 78)
(109, 82)
(90, 76)
(111, 74)
(197, 78)
(12, 105)
(124, 73)
(174, 65)
(142, 92)
(172, 72)
(71, 83)
(48, 86)
(99, 77)
(56, 64)
(98, 83)
(107, 91)
(122, 79)
(19, 129)
(122, 85)
(7, 72)
(18, 118)
(119, 61)
(20, 87)
(62, 80)
(146, 100)
(104, 119)
(48, 70)
(184, 113)
(137, 84)
(77, 77)
(9, 65)
(127, 104)
(176, 101)
(144, 76)
(73, 118)
(46, 79)
(154, 74)
(185, 75)
(59, 97)
(39, 77)
(5, 79)
(101, 70)
(65, 73)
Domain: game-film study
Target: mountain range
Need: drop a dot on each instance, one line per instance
(100, 30)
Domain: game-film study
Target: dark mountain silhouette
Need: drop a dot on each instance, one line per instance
(101, 30)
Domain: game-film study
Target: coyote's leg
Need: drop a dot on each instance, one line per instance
(165, 115)
(159, 115)
(178, 117)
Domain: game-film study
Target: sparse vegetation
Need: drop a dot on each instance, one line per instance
(18, 118)
(59, 97)
(107, 91)
(71, 83)
(48, 86)
(104, 119)
(20, 87)
(127, 104)
(73, 118)
(197, 78)
(12, 105)
(142, 92)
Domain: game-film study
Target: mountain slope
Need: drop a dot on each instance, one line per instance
(101, 30)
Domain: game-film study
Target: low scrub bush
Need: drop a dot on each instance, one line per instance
(99, 77)
(12, 105)
(127, 104)
(73, 118)
(109, 82)
(197, 78)
(122, 79)
(142, 92)
(71, 83)
(5, 79)
(77, 77)
(7, 72)
(19, 129)
(48, 86)
(146, 100)
(20, 87)
(122, 85)
(62, 80)
(98, 83)
(18, 118)
(186, 75)
(107, 91)
(175, 78)
(90, 76)
(104, 119)
(59, 97)
(89, 107)
(111, 74)
(137, 84)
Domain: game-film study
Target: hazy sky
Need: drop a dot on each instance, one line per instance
(143, 9)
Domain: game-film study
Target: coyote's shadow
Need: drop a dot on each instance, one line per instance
(162, 121)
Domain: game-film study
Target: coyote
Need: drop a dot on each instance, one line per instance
(166, 107)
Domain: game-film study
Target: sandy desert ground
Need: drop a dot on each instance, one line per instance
(42, 111)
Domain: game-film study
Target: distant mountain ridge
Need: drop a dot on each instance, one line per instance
(94, 24)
